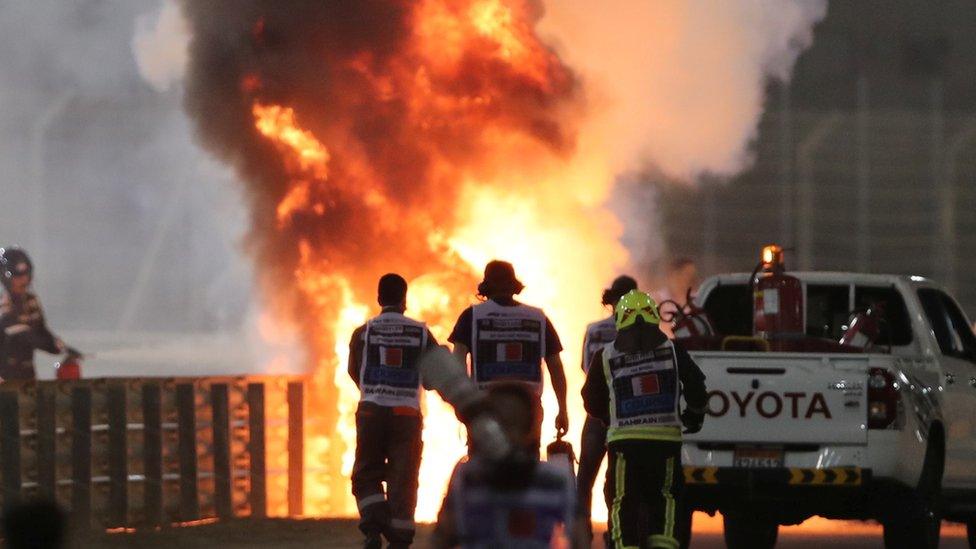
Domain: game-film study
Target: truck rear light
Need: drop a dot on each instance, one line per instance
(882, 399)
(877, 412)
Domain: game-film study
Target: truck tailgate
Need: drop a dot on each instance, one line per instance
(783, 398)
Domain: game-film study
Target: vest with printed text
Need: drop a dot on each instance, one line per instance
(388, 374)
(597, 335)
(508, 344)
(525, 517)
(644, 393)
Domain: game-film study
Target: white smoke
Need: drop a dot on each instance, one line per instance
(133, 230)
(160, 45)
(679, 82)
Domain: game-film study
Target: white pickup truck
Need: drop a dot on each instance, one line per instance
(888, 434)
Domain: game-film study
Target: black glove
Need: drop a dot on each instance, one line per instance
(692, 421)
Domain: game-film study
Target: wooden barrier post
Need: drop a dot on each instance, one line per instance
(296, 448)
(152, 417)
(10, 446)
(220, 404)
(88, 458)
(47, 463)
(187, 449)
(81, 455)
(256, 449)
(118, 456)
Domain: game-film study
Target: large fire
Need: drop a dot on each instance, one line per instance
(425, 138)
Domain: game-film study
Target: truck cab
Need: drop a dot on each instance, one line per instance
(811, 424)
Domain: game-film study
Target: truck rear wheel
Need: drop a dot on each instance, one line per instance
(744, 530)
(918, 523)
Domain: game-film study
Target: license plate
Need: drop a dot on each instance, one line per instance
(757, 458)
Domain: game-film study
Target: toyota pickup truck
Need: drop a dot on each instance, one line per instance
(885, 432)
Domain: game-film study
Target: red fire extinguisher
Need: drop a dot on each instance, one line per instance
(70, 366)
(777, 298)
(560, 453)
(864, 328)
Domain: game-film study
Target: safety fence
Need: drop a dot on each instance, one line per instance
(863, 190)
(145, 452)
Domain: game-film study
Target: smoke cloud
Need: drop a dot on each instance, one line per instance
(403, 131)
(428, 137)
(368, 135)
(160, 46)
(100, 181)
(678, 83)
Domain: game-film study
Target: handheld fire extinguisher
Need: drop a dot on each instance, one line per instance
(864, 328)
(777, 298)
(560, 453)
(69, 367)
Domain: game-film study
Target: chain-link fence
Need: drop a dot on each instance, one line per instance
(870, 191)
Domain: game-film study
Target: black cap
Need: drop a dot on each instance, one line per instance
(620, 286)
(499, 279)
(392, 290)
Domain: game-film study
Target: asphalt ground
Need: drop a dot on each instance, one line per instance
(339, 533)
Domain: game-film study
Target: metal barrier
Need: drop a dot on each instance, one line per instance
(145, 452)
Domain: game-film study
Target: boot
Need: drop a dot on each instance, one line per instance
(373, 541)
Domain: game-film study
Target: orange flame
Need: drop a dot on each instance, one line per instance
(279, 124)
(509, 176)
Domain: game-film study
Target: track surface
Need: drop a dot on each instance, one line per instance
(309, 534)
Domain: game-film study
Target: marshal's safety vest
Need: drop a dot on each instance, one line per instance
(644, 394)
(389, 375)
(597, 335)
(524, 518)
(508, 344)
